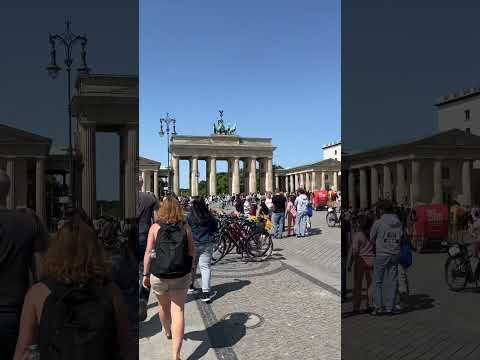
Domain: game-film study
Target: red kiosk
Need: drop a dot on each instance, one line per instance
(431, 227)
(321, 198)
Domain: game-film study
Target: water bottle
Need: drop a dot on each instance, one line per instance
(33, 352)
(153, 254)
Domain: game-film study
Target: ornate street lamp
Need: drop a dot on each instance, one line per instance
(68, 40)
(166, 121)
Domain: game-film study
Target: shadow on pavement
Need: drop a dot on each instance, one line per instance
(223, 334)
(418, 302)
(150, 327)
(314, 231)
(276, 256)
(219, 291)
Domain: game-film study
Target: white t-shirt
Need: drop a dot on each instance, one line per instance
(269, 203)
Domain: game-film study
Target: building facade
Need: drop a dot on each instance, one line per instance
(323, 174)
(254, 153)
(441, 168)
(460, 111)
(41, 176)
(333, 151)
(155, 178)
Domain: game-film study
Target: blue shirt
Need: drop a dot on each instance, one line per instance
(202, 233)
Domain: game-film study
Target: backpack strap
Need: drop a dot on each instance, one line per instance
(56, 289)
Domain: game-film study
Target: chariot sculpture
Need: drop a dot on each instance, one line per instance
(220, 129)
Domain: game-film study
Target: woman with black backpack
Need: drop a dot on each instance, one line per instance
(168, 268)
(76, 294)
(203, 225)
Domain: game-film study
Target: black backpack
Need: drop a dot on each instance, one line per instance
(171, 249)
(78, 323)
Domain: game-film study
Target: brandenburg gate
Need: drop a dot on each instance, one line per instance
(225, 145)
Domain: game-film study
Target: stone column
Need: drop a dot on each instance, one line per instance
(307, 182)
(314, 180)
(229, 176)
(335, 181)
(400, 193)
(176, 175)
(190, 175)
(246, 175)
(236, 176)
(296, 182)
(363, 189)
(387, 182)
(40, 208)
(155, 183)
(292, 183)
(351, 190)
(263, 174)
(415, 193)
(374, 185)
(302, 180)
(131, 173)
(213, 176)
(437, 182)
(269, 176)
(207, 175)
(194, 177)
(20, 182)
(277, 182)
(148, 181)
(11, 174)
(466, 183)
(322, 178)
(88, 173)
(252, 176)
(143, 180)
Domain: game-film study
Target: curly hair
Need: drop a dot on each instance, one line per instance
(76, 255)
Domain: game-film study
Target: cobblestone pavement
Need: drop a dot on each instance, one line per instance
(440, 324)
(284, 308)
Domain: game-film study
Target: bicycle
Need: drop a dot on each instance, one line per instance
(332, 218)
(458, 266)
(243, 235)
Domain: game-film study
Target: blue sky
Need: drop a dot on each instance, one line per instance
(272, 66)
(398, 58)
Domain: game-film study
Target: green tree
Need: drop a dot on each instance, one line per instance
(202, 188)
(222, 183)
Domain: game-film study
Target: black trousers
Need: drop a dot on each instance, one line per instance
(9, 326)
(144, 293)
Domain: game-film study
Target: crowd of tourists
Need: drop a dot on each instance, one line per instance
(290, 211)
(376, 244)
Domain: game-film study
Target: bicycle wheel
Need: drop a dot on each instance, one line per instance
(456, 273)
(331, 219)
(219, 250)
(259, 245)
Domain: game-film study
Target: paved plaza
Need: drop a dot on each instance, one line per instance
(285, 308)
(440, 324)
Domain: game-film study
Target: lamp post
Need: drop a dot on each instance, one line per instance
(68, 40)
(166, 121)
